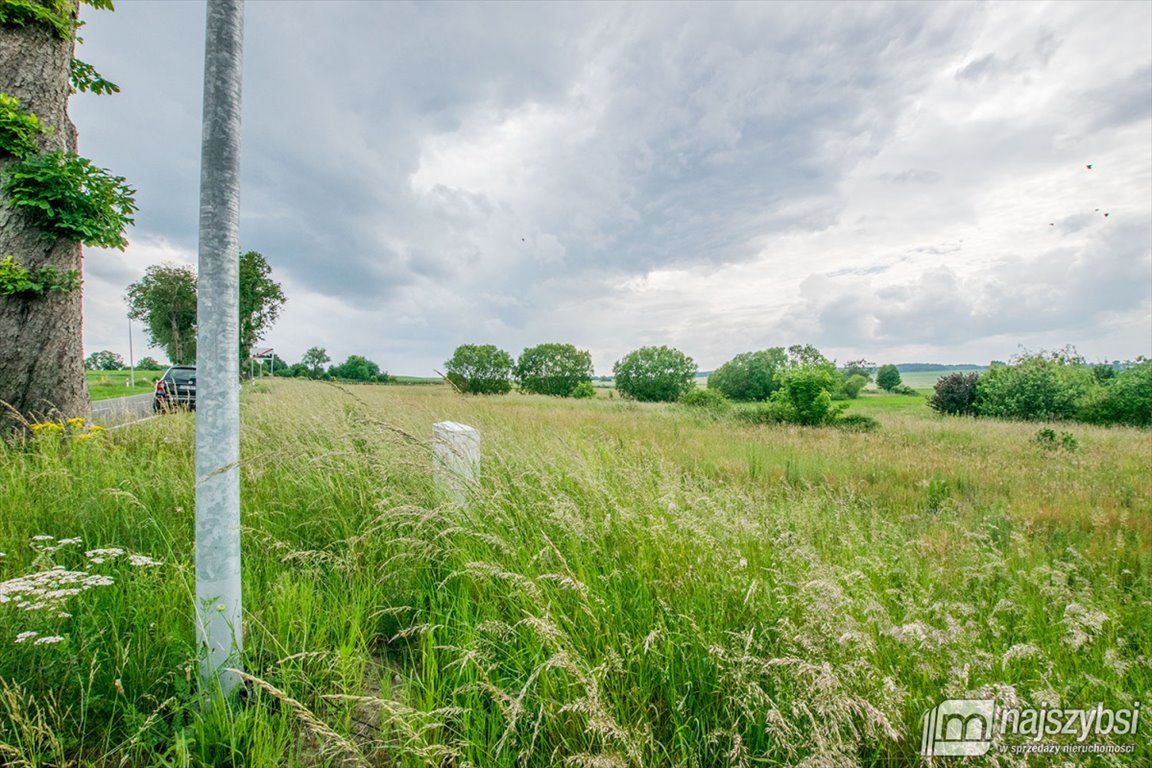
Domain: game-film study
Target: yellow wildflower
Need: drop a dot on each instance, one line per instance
(76, 423)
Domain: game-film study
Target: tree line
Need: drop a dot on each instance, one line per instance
(800, 385)
(1051, 386)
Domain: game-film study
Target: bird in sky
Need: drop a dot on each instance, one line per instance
(1089, 166)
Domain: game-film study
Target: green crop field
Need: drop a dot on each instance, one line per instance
(927, 379)
(631, 585)
(103, 385)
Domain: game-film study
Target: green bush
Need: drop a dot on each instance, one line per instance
(584, 390)
(763, 413)
(955, 394)
(553, 369)
(750, 375)
(480, 370)
(1035, 387)
(805, 396)
(1125, 398)
(655, 374)
(852, 385)
(856, 422)
(705, 399)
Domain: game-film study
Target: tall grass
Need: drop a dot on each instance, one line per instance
(631, 585)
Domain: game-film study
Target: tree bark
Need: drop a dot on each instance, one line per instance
(41, 351)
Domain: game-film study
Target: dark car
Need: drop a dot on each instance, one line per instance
(176, 389)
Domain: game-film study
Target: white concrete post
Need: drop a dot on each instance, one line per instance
(455, 459)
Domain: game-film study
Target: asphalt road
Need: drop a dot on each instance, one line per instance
(121, 410)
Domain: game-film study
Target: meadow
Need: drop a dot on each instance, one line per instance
(630, 585)
(103, 385)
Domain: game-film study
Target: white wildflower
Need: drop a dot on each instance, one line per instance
(69, 542)
(143, 561)
(23, 636)
(48, 640)
(43, 537)
(100, 555)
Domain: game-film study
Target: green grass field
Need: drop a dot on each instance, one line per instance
(632, 585)
(103, 385)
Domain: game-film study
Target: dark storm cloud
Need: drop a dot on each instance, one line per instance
(420, 175)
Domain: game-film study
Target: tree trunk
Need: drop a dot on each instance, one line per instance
(41, 354)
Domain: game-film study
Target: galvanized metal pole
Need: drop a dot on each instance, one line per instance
(219, 621)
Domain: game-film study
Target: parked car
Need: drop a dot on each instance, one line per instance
(175, 389)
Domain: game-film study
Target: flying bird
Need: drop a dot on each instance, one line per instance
(1089, 166)
(1105, 215)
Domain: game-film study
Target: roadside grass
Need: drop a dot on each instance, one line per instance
(103, 385)
(631, 585)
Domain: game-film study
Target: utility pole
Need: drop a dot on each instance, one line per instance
(131, 357)
(219, 618)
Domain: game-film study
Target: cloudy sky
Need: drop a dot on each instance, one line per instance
(899, 182)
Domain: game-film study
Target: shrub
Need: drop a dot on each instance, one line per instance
(553, 369)
(1046, 438)
(480, 370)
(955, 394)
(357, 368)
(705, 399)
(584, 390)
(856, 422)
(655, 374)
(1125, 398)
(750, 375)
(903, 389)
(852, 385)
(887, 377)
(763, 413)
(1035, 387)
(806, 395)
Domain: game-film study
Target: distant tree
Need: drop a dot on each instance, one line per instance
(805, 355)
(271, 367)
(148, 364)
(655, 374)
(750, 375)
(165, 300)
(356, 368)
(553, 369)
(315, 359)
(480, 369)
(955, 394)
(859, 367)
(261, 299)
(104, 361)
(888, 377)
